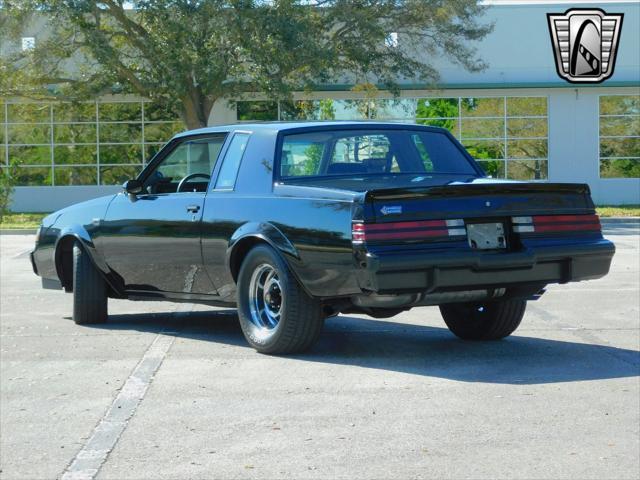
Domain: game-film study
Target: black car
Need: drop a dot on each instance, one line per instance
(295, 222)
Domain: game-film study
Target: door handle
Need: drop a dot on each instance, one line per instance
(193, 208)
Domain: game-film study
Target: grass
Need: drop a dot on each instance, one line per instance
(32, 220)
(619, 211)
(21, 220)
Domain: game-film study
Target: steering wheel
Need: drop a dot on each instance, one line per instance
(190, 177)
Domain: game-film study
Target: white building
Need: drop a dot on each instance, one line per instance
(518, 116)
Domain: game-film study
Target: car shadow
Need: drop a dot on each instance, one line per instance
(413, 349)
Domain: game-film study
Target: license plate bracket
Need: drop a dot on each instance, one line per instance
(486, 236)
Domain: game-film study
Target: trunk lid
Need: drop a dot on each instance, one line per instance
(476, 199)
(484, 214)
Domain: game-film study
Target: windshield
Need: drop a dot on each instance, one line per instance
(375, 152)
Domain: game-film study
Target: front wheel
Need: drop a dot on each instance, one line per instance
(276, 314)
(89, 290)
(484, 321)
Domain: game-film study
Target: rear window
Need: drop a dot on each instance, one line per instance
(371, 152)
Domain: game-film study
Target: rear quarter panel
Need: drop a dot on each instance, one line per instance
(318, 230)
(317, 224)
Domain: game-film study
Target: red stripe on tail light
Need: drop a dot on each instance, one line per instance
(362, 232)
(407, 235)
(556, 223)
(399, 225)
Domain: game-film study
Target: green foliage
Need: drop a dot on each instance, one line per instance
(620, 136)
(188, 54)
(7, 183)
(620, 168)
(438, 112)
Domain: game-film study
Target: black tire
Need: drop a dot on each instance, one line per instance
(89, 290)
(300, 317)
(486, 321)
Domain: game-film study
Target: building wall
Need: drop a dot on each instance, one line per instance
(573, 144)
(521, 64)
(519, 50)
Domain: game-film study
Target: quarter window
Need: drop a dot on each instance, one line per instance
(231, 162)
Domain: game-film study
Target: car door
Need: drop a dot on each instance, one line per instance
(152, 239)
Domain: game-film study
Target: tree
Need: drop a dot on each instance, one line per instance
(7, 183)
(190, 53)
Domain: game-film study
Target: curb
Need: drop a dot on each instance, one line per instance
(617, 220)
(18, 231)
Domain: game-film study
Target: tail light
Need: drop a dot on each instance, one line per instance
(556, 223)
(416, 230)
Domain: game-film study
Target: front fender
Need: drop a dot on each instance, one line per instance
(80, 233)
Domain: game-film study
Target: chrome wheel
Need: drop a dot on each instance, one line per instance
(265, 297)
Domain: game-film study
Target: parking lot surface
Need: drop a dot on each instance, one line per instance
(396, 398)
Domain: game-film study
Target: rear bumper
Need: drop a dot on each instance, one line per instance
(436, 271)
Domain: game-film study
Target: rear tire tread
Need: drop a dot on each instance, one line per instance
(500, 320)
(304, 315)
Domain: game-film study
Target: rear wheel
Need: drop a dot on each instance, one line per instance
(89, 290)
(484, 321)
(276, 314)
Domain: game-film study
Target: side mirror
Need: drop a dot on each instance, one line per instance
(132, 187)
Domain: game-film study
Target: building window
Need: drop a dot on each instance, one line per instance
(507, 135)
(89, 143)
(257, 111)
(28, 43)
(620, 136)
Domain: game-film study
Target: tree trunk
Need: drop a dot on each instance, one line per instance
(195, 109)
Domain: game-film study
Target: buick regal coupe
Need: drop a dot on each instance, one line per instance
(296, 222)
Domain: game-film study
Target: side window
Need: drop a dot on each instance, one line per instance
(197, 156)
(231, 161)
(192, 156)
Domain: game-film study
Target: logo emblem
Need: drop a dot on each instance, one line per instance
(585, 43)
(391, 210)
